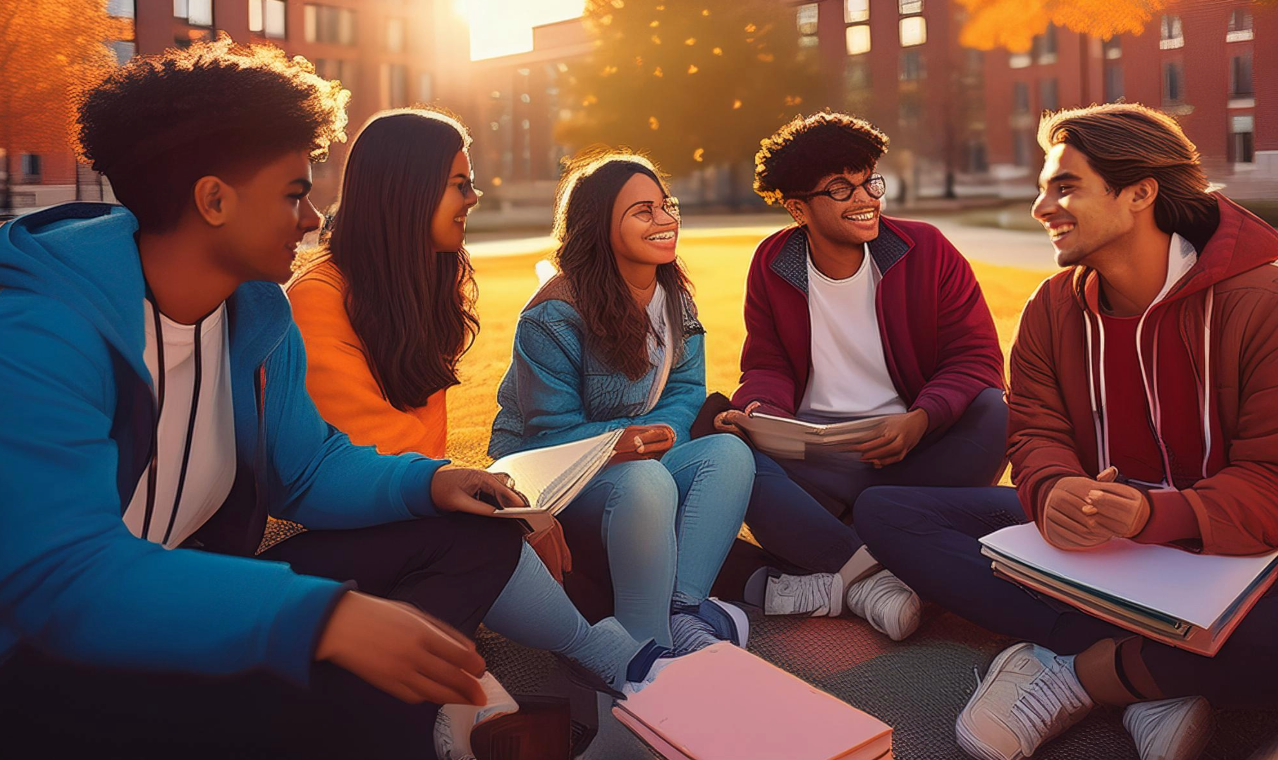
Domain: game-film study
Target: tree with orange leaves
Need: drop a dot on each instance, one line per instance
(1012, 24)
(691, 83)
(47, 48)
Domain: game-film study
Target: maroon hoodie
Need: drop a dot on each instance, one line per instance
(1225, 311)
(938, 336)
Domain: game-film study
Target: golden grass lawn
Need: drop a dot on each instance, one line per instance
(717, 267)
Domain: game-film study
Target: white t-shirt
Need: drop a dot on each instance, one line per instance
(849, 377)
(210, 463)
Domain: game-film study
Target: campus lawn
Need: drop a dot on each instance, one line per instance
(717, 267)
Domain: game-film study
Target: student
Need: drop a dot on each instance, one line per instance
(613, 342)
(155, 414)
(1142, 406)
(852, 315)
(386, 311)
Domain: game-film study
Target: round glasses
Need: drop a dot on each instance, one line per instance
(841, 190)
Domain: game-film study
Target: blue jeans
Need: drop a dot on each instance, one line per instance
(661, 528)
(796, 506)
(929, 537)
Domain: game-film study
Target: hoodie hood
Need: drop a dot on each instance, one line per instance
(85, 255)
(1242, 241)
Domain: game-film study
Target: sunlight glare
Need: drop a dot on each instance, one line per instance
(504, 27)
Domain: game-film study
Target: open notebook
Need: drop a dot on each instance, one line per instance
(551, 478)
(1191, 601)
(723, 703)
(791, 439)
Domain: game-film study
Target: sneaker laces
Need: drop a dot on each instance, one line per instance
(1042, 701)
(803, 593)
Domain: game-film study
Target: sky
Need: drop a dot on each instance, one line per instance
(502, 27)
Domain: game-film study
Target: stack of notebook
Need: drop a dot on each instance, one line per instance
(723, 703)
(1191, 601)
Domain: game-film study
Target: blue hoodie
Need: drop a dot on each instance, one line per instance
(76, 431)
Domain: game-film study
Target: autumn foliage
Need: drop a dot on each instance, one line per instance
(691, 83)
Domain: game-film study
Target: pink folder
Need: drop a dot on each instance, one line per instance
(723, 703)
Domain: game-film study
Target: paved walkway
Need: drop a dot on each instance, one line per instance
(1028, 250)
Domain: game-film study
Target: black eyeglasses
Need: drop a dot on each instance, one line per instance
(841, 190)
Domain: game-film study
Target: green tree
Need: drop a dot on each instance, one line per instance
(47, 49)
(690, 83)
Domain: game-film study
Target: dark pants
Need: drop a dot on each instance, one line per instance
(453, 567)
(929, 537)
(801, 510)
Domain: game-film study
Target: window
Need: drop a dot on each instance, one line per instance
(1242, 141)
(1044, 46)
(395, 35)
(1020, 98)
(906, 7)
(1049, 94)
(1173, 81)
(1240, 77)
(122, 8)
(124, 50)
(855, 11)
(912, 67)
(1113, 48)
(267, 17)
(1019, 61)
(1172, 35)
(1113, 82)
(330, 25)
(196, 12)
(29, 165)
(911, 110)
(1021, 142)
(856, 74)
(336, 68)
(806, 18)
(974, 65)
(396, 85)
(913, 31)
(1240, 26)
(858, 39)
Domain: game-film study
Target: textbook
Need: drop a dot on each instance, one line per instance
(1186, 600)
(551, 478)
(723, 703)
(788, 438)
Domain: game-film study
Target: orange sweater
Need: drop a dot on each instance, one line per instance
(341, 382)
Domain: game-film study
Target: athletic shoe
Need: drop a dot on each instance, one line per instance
(455, 723)
(817, 595)
(887, 604)
(1028, 696)
(695, 628)
(1169, 729)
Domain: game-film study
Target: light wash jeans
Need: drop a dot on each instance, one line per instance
(664, 527)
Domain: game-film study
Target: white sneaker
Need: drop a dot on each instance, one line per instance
(455, 723)
(818, 595)
(1028, 696)
(887, 604)
(1169, 729)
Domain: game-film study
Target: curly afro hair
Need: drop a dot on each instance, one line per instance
(800, 153)
(159, 123)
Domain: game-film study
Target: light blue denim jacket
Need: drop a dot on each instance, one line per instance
(555, 392)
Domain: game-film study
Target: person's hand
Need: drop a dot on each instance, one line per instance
(894, 438)
(730, 421)
(456, 489)
(402, 651)
(1081, 513)
(643, 442)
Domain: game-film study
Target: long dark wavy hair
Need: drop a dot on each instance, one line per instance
(616, 328)
(412, 307)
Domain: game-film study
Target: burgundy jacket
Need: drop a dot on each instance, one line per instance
(938, 335)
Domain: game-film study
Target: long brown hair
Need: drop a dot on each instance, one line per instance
(616, 328)
(1127, 142)
(411, 306)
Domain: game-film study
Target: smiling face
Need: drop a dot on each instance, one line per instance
(271, 213)
(448, 225)
(1083, 217)
(643, 228)
(852, 222)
